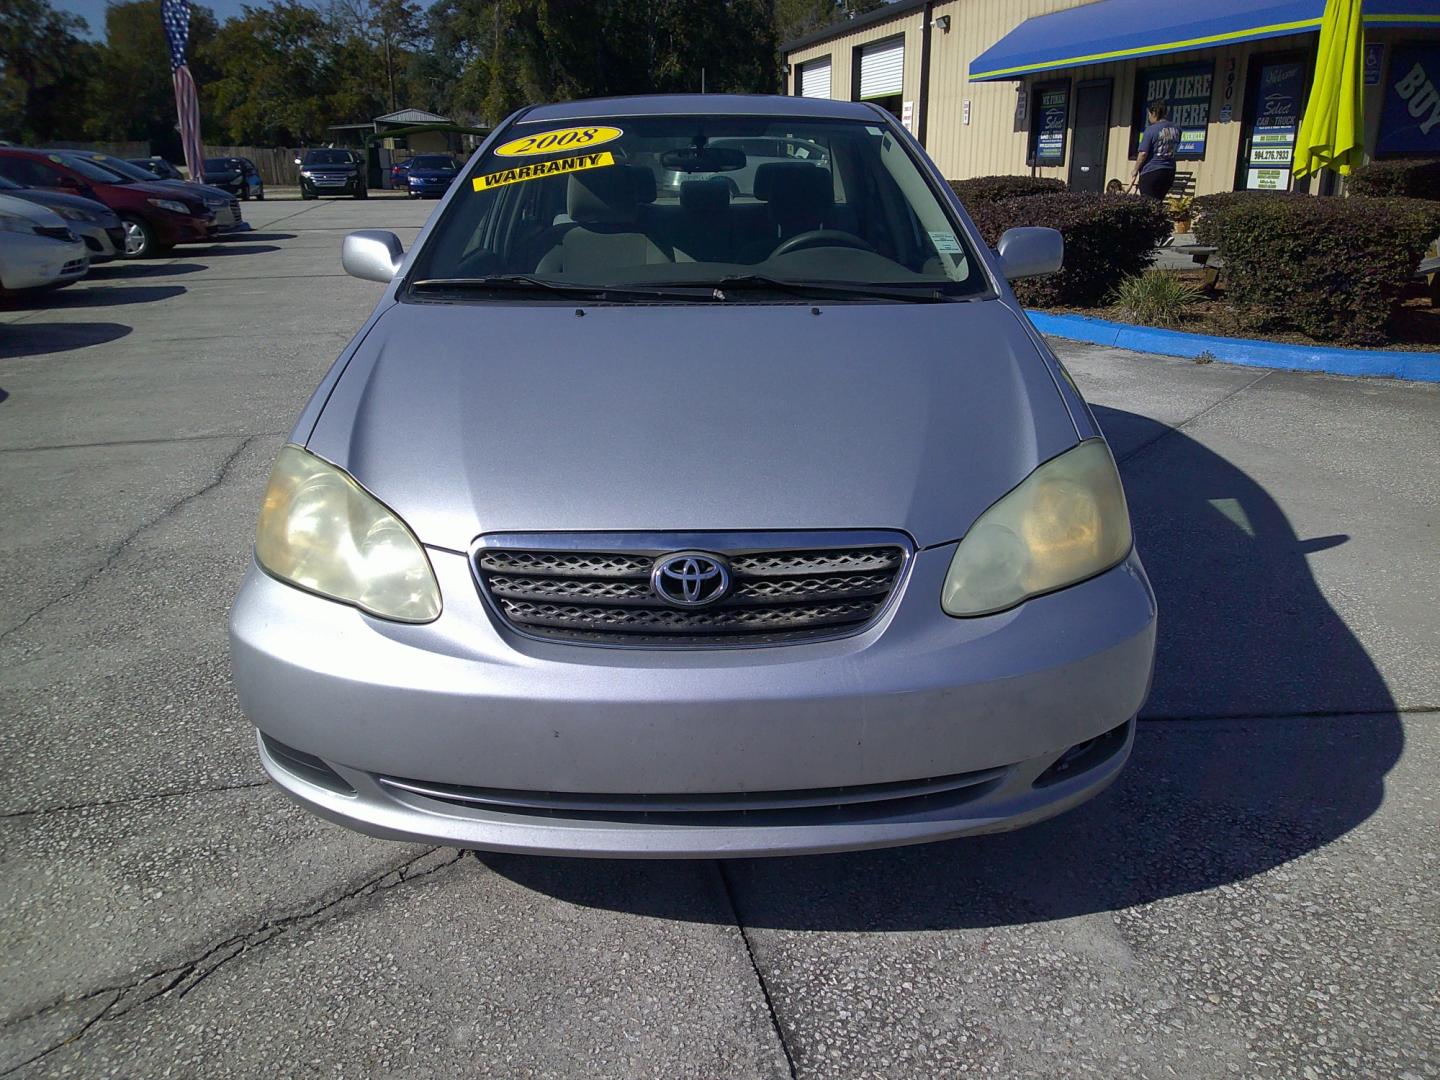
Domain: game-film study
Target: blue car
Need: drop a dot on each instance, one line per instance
(429, 175)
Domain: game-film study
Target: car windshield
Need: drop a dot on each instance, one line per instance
(121, 166)
(222, 164)
(328, 157)
(99, 171)
(747, 203)
(437, 162)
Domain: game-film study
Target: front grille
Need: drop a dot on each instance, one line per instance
(603, 594)
(860, 802)
(55, 232)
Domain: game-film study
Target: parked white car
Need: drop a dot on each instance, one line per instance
(37, 248)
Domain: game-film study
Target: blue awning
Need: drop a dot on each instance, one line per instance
(1110, 30)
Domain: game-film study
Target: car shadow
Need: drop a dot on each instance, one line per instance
(220, 247)
(255, 236)
(77, 296)
(129, 271)
(39, 339)
(1246, 760)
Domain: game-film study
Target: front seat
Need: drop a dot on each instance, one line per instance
(800, 196)
(605, 206)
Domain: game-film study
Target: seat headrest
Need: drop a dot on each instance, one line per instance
(610, 195)
(793, 184)
(710, 196)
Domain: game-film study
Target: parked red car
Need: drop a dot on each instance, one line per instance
(155, 216)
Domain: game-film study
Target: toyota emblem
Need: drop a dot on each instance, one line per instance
(690, 578)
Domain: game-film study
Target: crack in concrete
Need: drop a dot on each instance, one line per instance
(140, 442)
(120, 548)
(1171, 429)
(182, 978)
(755, 967)
(178, 793)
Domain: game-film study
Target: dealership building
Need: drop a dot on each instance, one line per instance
(1058, 88)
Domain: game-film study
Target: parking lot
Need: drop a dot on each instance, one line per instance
(1255, 897)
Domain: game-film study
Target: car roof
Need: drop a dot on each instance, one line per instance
(702, 105)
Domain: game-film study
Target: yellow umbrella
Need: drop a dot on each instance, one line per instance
(1331, 135)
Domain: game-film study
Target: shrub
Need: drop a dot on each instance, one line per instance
(1413, 179)
(1107, 239)
(1331, 268)
(989, 189)
(1155, 298)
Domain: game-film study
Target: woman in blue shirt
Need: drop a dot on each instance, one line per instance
(1155, 163)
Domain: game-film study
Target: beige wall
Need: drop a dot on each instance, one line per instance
(995, 141)
(842, 50)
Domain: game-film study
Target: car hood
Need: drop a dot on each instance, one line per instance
(348, 166)
(473, 418)
(32, 212)
(56, 199)
(433, 174)
(200, 191)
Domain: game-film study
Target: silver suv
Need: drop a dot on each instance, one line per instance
(640, 522)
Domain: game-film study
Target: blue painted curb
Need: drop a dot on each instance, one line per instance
(1421, 366)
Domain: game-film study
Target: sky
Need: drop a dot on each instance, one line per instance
(93, 11)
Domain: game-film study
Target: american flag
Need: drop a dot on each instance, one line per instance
(176, 16)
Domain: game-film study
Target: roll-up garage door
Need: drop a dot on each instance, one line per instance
(882, 69)
(815, 79)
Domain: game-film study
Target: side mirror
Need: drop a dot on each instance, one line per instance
(1030, 252)
(372, 255)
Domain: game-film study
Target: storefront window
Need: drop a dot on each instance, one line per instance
(1049, 119)
(1186, 90)
(1410, 113)
(1277, 92)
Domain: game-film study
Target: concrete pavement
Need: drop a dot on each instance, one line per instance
(1255, 897)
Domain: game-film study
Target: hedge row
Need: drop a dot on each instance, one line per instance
(1412, 179)
(991, 189)
(1107, 239)
(1331, 268)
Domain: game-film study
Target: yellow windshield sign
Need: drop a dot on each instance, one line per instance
(552, 142)
(543, 168)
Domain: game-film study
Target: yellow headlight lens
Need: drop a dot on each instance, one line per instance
(1067, 521)
(321, 531)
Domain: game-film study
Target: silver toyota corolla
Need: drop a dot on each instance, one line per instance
(677, 520)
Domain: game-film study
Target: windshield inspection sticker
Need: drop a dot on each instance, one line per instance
(543, 168)
(945, 242)
(552, 142)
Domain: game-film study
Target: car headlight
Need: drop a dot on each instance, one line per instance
(321, 531)
(174, 206)
(14, 223)
(70, 213)
(304, 172)
(1066, 522)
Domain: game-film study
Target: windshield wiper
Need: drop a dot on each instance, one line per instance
(918, 293)
(528, 283)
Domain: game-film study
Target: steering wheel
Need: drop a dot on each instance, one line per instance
(821, 238)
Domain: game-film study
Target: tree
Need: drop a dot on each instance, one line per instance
(796, 18)
(272, 76)
(42, 62)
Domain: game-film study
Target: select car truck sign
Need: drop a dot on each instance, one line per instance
(1410, 117)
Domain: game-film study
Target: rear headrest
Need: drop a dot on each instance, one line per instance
(710, 196)
(794, 183)
(610, 195)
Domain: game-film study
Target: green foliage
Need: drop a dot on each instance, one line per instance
(995, 188)
(272, 79)
(42, 60)
(1331, 268)
(796, 18)
(284, 71)
(1107, 239)
(1155, 298)
(1406, 178)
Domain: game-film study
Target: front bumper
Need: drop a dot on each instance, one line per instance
(331, 185)
(578, 750)
(183, 228)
